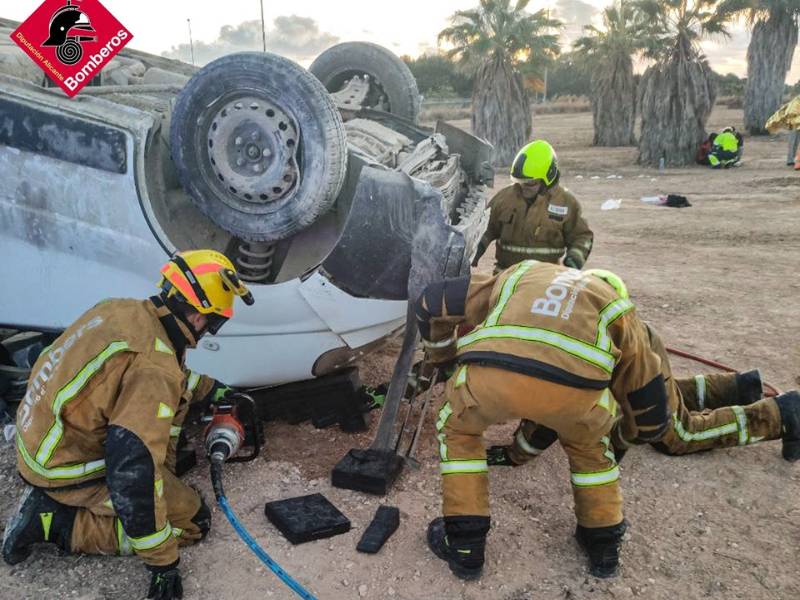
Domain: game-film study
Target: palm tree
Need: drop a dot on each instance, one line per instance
(677, 92)
(610, 53)
(492, 41)
(769, 55)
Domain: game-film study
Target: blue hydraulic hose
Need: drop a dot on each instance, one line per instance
(216, 480)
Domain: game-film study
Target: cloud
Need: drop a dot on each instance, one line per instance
(574, 14)
(728, 55)
(298, 38)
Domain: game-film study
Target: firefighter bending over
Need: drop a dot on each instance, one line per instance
(564, 349)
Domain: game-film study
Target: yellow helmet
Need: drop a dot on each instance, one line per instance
(207, 281)
(536, 161)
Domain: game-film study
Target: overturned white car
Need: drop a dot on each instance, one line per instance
(319, 189)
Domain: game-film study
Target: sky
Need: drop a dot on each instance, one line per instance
(301, 29)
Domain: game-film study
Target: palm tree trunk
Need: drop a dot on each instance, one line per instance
(769, 58)
(614, 103)
(501, 111)
(676, 100)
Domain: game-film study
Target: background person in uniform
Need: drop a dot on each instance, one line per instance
(534, 217)
(726, 149)
(97, 429)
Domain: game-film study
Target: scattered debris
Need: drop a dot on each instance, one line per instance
(611, 204)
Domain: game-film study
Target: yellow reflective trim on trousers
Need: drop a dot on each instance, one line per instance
(192, 381)
(741, 422)
(608, 452)
(578, 348)
(75, 471)
(608, 315)
(700, 383)
(148, 542)
(700, 436)
(177, 532)
(67, 393)
(596, 478)
(123, 542)
(607, 402)
(444, 414)
(159, 485)
(175, 430)
(612, 279)
(509, 287)
(461, 467)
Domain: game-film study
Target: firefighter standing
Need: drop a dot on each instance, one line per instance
(536, 218)
(565, 349)
(97, 429)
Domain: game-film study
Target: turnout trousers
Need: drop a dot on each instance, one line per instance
(97, 530)
(479, 396)
(704, 415)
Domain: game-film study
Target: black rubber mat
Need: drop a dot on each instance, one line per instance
(306, 518)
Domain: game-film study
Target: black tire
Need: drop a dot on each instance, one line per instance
(318, 154)
(341, 62)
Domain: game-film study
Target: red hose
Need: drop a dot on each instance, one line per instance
(769, 390)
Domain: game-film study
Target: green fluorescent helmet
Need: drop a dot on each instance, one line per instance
(537, 160)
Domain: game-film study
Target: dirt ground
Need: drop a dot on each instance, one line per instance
(719, 279)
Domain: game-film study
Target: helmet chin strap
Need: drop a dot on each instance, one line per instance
(187, 329)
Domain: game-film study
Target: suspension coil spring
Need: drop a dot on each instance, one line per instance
(255, 260)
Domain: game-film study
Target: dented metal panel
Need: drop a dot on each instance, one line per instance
(56, 135)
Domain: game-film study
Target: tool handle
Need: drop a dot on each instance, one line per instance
(397, 385)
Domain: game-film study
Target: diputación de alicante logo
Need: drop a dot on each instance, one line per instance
(71, 40)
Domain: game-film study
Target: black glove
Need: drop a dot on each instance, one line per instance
(219, 392)
(497, 456)
(572, 262)
(165, 582)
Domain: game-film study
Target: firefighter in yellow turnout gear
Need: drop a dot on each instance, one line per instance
(97, 429)
(565, 349)
(536, 218)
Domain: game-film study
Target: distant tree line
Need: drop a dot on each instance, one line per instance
(568, 75)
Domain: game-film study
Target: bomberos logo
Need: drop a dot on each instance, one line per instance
(71, 42)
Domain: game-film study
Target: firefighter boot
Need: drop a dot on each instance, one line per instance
(39, 519)
(461, 542)
(789, 407)
(748, 387)
(601, 544)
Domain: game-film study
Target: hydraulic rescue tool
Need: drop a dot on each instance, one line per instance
(225, 436)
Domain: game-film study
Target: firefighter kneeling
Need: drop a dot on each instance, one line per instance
(565, 350)
(98, 428)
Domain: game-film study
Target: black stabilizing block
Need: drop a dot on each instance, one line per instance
(306, 518)
(325, 401)
(371, 471)
(383, 525)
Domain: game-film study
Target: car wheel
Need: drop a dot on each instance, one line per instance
(392, 86)
(259, 145)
